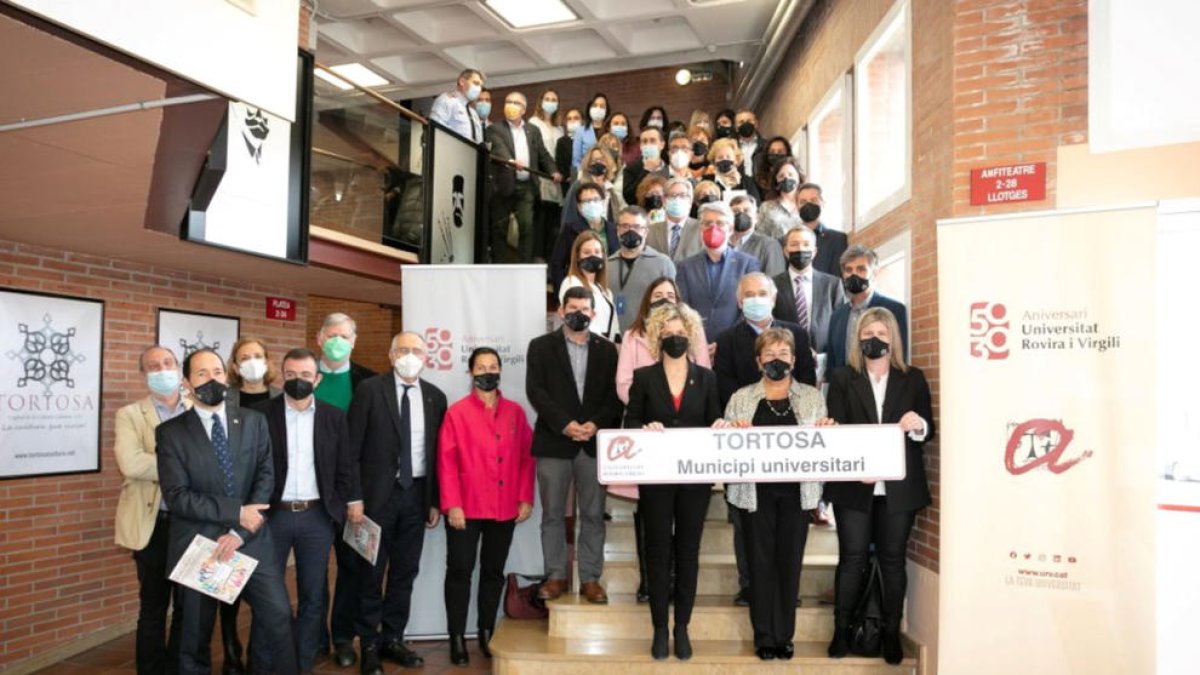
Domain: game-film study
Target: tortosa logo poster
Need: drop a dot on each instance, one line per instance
(50, 360)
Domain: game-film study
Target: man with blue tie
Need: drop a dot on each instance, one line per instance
(216, 473)
(708, 281)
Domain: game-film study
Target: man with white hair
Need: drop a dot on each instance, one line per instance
(708, 281)
(514, 190)
(679, 235)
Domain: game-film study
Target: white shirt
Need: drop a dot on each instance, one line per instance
(416, 423)
(879, 389)
(748, 156)
(340, 369)
(451, 110)
(806, 284)
(520, 148)
(301, 482)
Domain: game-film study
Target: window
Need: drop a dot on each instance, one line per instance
(893, 277)
(883, 118)
(829, 153)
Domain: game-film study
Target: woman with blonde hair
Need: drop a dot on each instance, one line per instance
(725, 158)
(587, 269)
(675, 393)
(877, 387)
(251, 373)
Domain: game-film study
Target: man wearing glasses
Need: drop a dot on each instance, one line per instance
(635, 265)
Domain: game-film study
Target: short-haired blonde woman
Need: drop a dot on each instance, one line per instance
(776, 520)
(878, 387)
(672, 393)
(726, 160)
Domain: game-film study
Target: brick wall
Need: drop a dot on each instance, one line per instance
(376, 325)
(62, 579)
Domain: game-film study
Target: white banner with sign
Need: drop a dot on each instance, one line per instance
(1047, 383)
(458, 308)
(754, 455)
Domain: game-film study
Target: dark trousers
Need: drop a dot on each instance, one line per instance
(547, 218)
(229, 628)
(156, 653)
(775, 536)
(310, 534)
(267, 595)
(857, 531)
(520, 203)
(737, 518)
(402, 536)
(681, 508)
(460, 562)
(346, 592)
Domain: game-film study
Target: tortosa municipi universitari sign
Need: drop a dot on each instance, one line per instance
(755, 455)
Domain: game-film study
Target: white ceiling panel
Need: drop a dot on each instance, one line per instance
(579, 46)
(500, 57)
(619, 10)
(419, 69)
(659, 35)
(451, 24)
(367, 37)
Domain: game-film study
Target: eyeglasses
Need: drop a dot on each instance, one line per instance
(623, 227)
(782, 355)
(405, 351)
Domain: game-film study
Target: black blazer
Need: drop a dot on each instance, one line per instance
(192, 485)
(500, 137)
(851, 401)
(550, 388)
(650, 398)
(736, 364)
(827, 296)
(374, 421)
(831, 244)
(358, 374)
(337, 482)
(632, 176)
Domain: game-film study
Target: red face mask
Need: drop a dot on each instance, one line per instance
(714, 237)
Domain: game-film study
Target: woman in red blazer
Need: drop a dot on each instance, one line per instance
(486, 473)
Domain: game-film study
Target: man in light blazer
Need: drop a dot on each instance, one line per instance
(708, 281)
(822, 292)
(142, 521)
(679, 235)
(514, 189)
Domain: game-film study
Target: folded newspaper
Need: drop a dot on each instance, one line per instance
(363, 538)
(198, 569)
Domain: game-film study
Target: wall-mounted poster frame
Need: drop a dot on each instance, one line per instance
(185, 331)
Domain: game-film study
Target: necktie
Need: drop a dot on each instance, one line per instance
(674, 238)
(404, 475)
(801, 304)
(225, 460)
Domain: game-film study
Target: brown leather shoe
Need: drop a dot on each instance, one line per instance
(594, 593)
(552, 588)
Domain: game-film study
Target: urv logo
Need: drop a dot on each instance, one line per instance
(989, 330)
(1040, 442)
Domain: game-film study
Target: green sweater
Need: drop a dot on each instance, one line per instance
(335, 389)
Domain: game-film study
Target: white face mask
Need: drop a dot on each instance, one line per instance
(681, 158)
(409, 366)
(572, 127)
(252, 370)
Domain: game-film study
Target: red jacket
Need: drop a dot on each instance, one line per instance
(484, 463)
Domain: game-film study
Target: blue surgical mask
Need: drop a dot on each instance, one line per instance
(678, 207)
(484, 108)
(592, 210)
(473, 91)
(757, 308)
(163, 382)
(550, 107)
(620, 131)
(650, 152)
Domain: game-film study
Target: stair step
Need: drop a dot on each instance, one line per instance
(524, 647)
(718, 575)
(718, 538)
(715, 617)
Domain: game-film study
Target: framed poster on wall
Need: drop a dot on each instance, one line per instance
(185, 332)
(51, 350)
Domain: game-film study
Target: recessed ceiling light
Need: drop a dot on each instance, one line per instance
(355, 72)
(530, 13)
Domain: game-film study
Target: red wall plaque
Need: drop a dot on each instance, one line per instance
(281, 309)
(1007, 184)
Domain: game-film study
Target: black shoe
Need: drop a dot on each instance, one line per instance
(485, 641)
(785, 652)
(893, 652)
(396, 651)
(742, 599)
(231, 667)
(765, 653)
(343, 654)
(658, 647)
(643, 595)
(458, 651)
(683, 645)
(839, 646)
(371, 664)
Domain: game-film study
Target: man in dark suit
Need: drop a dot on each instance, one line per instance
(214, 466)
(708, 281)
(653, 143)
(571, 382)
(314, 481)
(859, 265)
(819, 295)
(515, 191)
(679, 235)
(830, 243)
(394, 423)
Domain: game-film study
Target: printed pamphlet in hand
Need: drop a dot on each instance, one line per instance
(363, 538)
(199, 570)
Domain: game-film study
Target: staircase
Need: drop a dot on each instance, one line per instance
(579, 637)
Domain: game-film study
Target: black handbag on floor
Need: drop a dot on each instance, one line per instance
(866, 624)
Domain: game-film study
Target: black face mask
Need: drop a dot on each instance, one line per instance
(874, 348)
(631, 240)
(742, 222)
(659, 303)
(699, 148)
(774, 158)
(486, 381)
(810, 212)
(746, 130)
(724, 131)
(577, 321)
(777, 369)
(597, 169)
(298, 389)
(653, 202)
(725, 165)
(800, 259)
(855, 284)
(787, 186)
(592, 263)
(674, 346)
(707, 199)
(211, 392)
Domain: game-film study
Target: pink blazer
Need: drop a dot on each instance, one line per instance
(484, 463)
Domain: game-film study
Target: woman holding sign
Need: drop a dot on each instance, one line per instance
(877, 387)
(485, 473)
(674, 393)
(777, 513)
